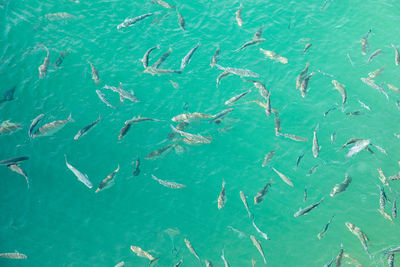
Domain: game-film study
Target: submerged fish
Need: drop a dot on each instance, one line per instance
(59, 16)
(103, 99)
(188, 117)
(221, 197)
(315, 146)
(192, 138)
(294, 137)
(139, 119)
(340, 188)
(130, 22)
(238, 15)
(136, 172)
(323, 232)
(306, 47)
(124, 130)
(236, 98)
(208, 263)
(51, 128)
(60, 58)
(81, 176)
(396, 55)
(274, 56)
(226, 264)
(158, 152)
(249, 43)
(163, 4)
(108, 181)
(9, 127)
(191, 249)
(372, 75)
(304, 85)
(162, 58)
(283, 177)
(144, 254)
(85, 129)
(268, 157)
(16, 168)
(145, 59)
(244, 200)
(339, 258)
(215, 58)
(239, 72)
(357, 148)
(188, 57)
(122, 93)
(258, 33)
(302, 75)
(157, 71)
(95, 73)
(168, 184)
(221, 114)
(44, 67)
(364, 43)
(374, 54)
(372, 84)
(305, 211)
(340, 87)
(13, 255)
(263, 235)
(13, 160)
(181, 21)
(360, 235)
(260, 195)
(299, 158)
(257, 244)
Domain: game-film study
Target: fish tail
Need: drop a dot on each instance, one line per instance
(117, 169)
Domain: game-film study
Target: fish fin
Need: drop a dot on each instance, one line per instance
(121, 98)
(117, 169)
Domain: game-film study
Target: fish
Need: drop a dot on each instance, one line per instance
(350, 60)
(181, 21)
(145, 59)
(157, 71)
(81, 176)
(306, 47)
(34, 124)
(267, 107)
(268, 157)
(144, 254)
(340, 188)
(263, 235)
(374, 54)
(381, 149)
(59, 16)
(396, 55)
(357, 148)
(240, 233)
(393, 88)
(158, 152)
(238, 15)
(178, 263)
(302, 75)
(352, 260)
(45, 66)
(349, 142)
(122, 93)
(222, 75)
(215, 58)
(221, 197)
(221, 114)
(239, 72)
(260, 195)
(244, 200)
(354, 113)
(304, 85)
(108, 181)
(249, 43)
(372, 84)
(329, 110)
(14, 256)
(315, 146)
(253, 262)
(394, 209)
(85, 129)
(130, 22)
(277, 126)
(258, 33)
(274, 56)
(392, 251)
(299, 158)
(139, 119)
(313, 170)
(13, 160)
(372, 75)
(192, 138)
(236, 98)
(172, 185)
(261, 88)
(188, 117)
(16, 168)
(385, 215)
(333, 259)
(186, 59)
(306, 210)
(382, 198)
(51, 128)
(103, 99)
(283, 177)
(360, 235)
(60, 59)
(294, 137)
(191, 249)
(340, 87)
(208, 263)
(181, 126)
(257, 244)
(124, 130)
(161, 59)
(136, 172)
(163, 4)
(390, 260)
(120, 264)
(339, 258)
(95, 73)
(382, 177)
(364, 43)
(226, 264)
(364, 105)
(323, 232)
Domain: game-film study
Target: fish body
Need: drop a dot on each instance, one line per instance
(122, 93)
(181, 21)
(164, 4)
(208, 263)
(302, 75)
(244, 200)
(158, 152)
(364, 43)
(154, 71)
(304, 85)
(340, 188)
(16, 168)
(372, 75)
(9, 127)
(269, 157)
(274, 56)
(141, 253)
(364, 105)
(299, 158)
(136, 172)
(215, 58)
(192, 138)
(261, 88)
(305, 211)
(258, 33)
(108, 181)
(221, 197)
(81, 176)
(60, 59)
(13, 160)
(393, 88)
(340, 87)
(392, 251)
(85, 129)
(385, 215)
(120, 264)
(130, 22)
(396, 55)
(186, 59)
(8, 95)
(139, 119)
(263, 235)
(306, 47)
(124, 130)
(145, 59)
(103, 99)
(178, 263)
(260, 195)
(59, 16)
(236, 98)
(162, 59)
(239, 72)
(339, 258)
(51, 128)
(257, 244)
(249, 43)
(95, 73)
(172, 185)
(294, 137)
(372, 84)
(13, 255)
(359, 234)
(323, 232)
(357, 148)
(283, 177)
(374, 54)
(34, 124)
(222, 75)
(221, 114)
(45, 66)
(238, 15)
(394, 209)
(191, 249)
(188, 117)
(390, 260)
(315, 147)
(329, 110)
(226, 264)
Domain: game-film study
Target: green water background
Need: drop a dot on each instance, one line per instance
(61, 222)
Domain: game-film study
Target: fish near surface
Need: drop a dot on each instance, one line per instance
(188, 57)
(144, 254)
(16, 168)
(283, 177)
(239, 72)
(396, 55)
(45, 66)
(340, 188)
(360, 235)
(13, 255)
(257, 244)
(172, 185)
(340, 87)
(130, 22)
(108, 181)
(95, 73)
(357, 148)
(238, 15)
(315, 147)
(274, 56)
(85, 129)
(221, 197)
(305, 211)
(9, 127)
(81, 176)
(51, 128)
(34, 124)
(191, 249)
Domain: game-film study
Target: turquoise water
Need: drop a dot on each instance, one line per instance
(61, 222)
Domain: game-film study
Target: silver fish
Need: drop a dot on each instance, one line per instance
(260, 195)
(16, 168)
(181, 21)
(333, 259)
(221, 114)
(396, 55)
(302, 75)
(224, 260)
(162, 59)
(283, 177)
(158, 152)
(44, 67)
(108, 181)
(221, 197)
(341, 89)
(372, 84)
(139, 119)
(299, 158)
(391, 251)
(372, 75)
(136, 172)
(315, 146)
(178, 263)
(188, 57)
(390, 260)
(323, 232)
(360, 235)
(188, 117)
(263, 235)
(163, 4)
(333, 137)
(249, 43)
(168, 184)
(294, 137)
(59, 16)
(120, 264)
(85, 129)
(103, 99)
(357, 148)
(268, 157)
(238, 15)
(304, 85)
(340, 188)
(215, 58)
(60, 59)
(257, 244)
(34, 124)
(145, 59)
(51, 128)
(339, 258)
(13, 160)
(374, 54)
(306, 47)
(95, 73)
(222, 75)
(244, 200)
(13, 255)
(261, 88)
(130, 22)
(191, 249)
(239, 72)
(258, 33)
(274, 56)
(364, 105)
(236, 98)
(305, 211)
(81, 176)
(122, 93)
(154, 71)
(364, 43)
(192, 137)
